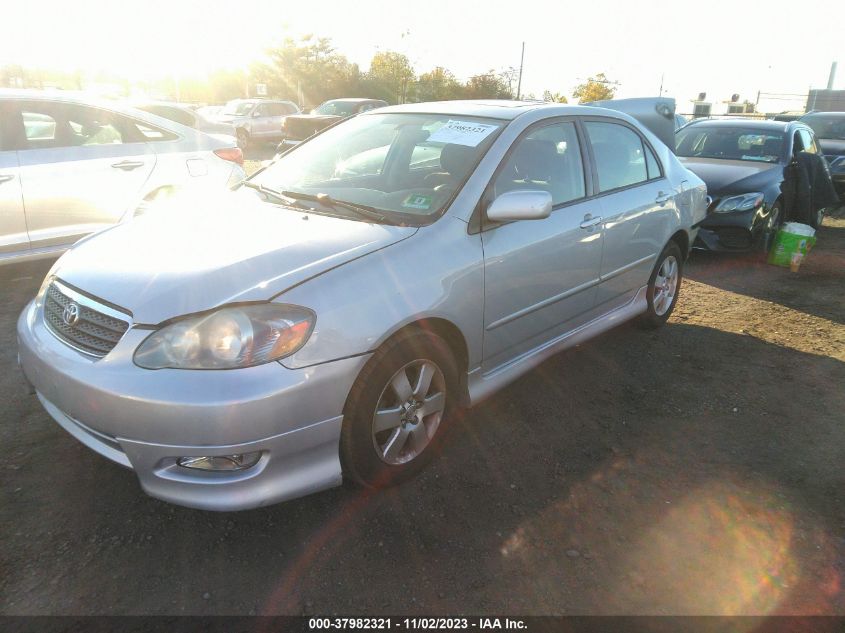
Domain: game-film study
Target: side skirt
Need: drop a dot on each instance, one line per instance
(483, 385)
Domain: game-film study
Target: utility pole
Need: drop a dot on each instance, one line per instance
(519, 83)
(661, 84)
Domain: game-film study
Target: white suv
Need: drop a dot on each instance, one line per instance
(70, 166)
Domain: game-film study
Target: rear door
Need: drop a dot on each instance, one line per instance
(540, 276)
(13, 234)
(81, 169)
(637, 208)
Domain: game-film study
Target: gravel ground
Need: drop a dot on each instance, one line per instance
(695, 469)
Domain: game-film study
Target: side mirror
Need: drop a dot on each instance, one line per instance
(256, 113)
(520, 205)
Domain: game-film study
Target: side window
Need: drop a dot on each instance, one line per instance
(652, 166)
(262, 110)
(618, 151)
(548, 159)
(90, 126)
(50, 125)
(808, 142)
(150, 133)
(39, 129)
(797, 144)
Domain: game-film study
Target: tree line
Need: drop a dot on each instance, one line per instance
(308, 71)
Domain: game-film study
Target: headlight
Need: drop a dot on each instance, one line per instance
(745, 202)
(228, 338)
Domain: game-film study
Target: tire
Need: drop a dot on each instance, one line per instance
(243, 138)
(771, 228)
(410, 435)
(669, 268)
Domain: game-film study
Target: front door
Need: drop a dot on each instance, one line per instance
(540, 276)
(81, 169)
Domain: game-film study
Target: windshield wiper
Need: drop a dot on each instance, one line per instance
(279, 195)
(325, 199)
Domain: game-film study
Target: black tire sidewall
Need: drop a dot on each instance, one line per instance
(359, 458)
(650, 318)
(769, 237)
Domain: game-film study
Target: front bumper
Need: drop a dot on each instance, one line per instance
(731, 232)
(146, 420)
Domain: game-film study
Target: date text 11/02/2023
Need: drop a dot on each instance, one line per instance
(418, 623)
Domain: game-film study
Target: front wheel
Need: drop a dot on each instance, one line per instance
(663, 287)
(771, 229)
(243, 138)
(397, 409)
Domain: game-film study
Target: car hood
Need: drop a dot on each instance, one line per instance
(832, 146)
(177, 260)
(733, 176)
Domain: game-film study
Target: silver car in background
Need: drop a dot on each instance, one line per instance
(331, 316)
(70, 166)
(186, 115)
(256, 120)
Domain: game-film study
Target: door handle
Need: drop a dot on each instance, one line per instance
(5, 178)
(127, 165)
(662, 198)
(590, 221)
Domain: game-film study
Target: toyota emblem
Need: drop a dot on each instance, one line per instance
(70, 315)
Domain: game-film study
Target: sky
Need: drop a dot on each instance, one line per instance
(718, 47)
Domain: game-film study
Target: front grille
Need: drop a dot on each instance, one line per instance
(734, 237)
(94, 333)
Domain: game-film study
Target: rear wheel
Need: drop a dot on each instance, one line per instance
(397, 410)
(663, 287)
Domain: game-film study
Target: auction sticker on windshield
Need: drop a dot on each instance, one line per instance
(466, 133)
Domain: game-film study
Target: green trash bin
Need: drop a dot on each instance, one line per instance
(792, 243)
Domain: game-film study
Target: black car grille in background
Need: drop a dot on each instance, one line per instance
(734, 237)
(94, 333)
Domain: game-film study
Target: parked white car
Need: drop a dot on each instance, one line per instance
(70, 166)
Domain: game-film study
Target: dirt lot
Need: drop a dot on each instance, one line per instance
(696, 469)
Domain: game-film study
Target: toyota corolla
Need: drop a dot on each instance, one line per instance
(330, 316)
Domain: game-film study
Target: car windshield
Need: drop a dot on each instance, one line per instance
(337, 108)
(730, 143)
(238, 108)
(405, 166)
(829, 127)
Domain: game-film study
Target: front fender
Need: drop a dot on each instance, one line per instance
(436, 273)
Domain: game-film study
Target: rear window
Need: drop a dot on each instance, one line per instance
(832, 127)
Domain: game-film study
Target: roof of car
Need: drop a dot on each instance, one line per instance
(491, 109)
(355, 100)
(761, 124)
(832, 115)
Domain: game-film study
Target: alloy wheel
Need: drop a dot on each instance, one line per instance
(665, 286)
(409, 412)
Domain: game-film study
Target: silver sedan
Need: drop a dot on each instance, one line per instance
(331, 316)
